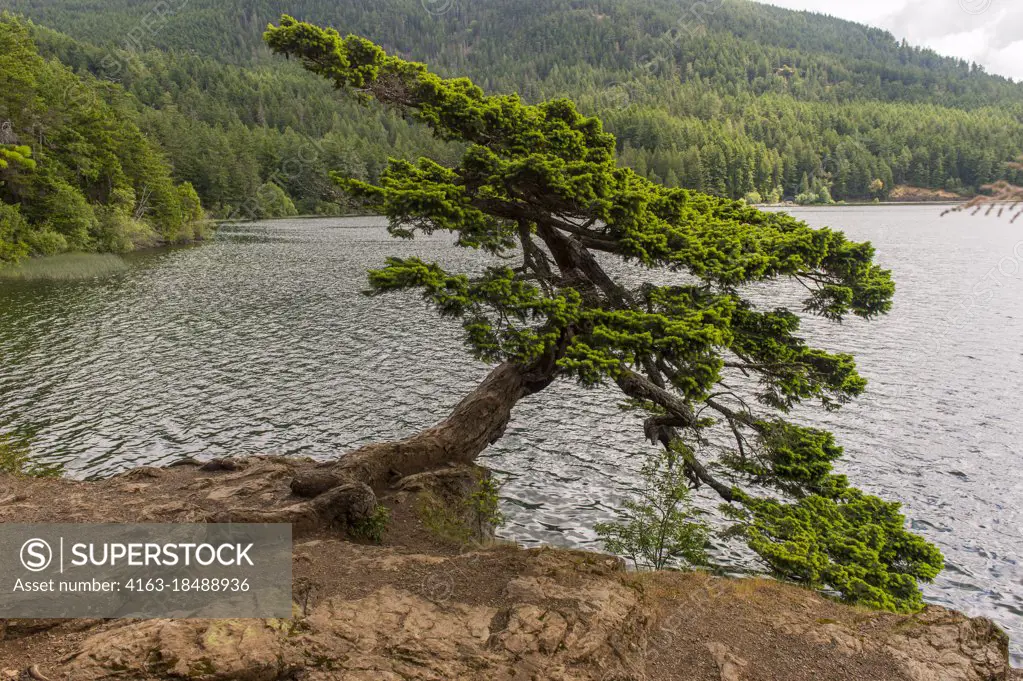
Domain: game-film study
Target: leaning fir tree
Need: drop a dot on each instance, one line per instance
(539, 186)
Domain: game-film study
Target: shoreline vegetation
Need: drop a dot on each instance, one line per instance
(77, 174)
(80, 264)
(900, 195)
(63, 267)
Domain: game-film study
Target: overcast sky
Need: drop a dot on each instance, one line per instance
(989, 32)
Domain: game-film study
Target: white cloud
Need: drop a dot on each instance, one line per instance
(989, 32)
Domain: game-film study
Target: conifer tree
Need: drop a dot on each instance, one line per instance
(676, 332)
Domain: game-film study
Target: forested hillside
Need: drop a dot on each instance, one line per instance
(76, 173)
(241, 135)
(734, 98)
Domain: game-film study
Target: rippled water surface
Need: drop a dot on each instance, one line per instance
(261, 342)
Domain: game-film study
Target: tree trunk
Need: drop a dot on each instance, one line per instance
(347, 491)
(477, 421)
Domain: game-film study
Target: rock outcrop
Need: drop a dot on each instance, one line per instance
(421, 609)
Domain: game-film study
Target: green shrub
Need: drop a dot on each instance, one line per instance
(120, 232)
(68, 213)
(12, 229)
(374, 527)
(485, 506)
(273, 202)
(46, 242)
(658, 530)
(191, 208)
(466, 519)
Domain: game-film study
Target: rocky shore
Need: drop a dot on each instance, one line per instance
(424, 606)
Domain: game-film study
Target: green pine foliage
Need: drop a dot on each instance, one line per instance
(541, 186)
(76, 173)
(850, 542)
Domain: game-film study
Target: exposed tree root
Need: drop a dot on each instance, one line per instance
(345, 490)
(312, 496)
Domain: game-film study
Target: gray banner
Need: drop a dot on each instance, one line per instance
(145, 570)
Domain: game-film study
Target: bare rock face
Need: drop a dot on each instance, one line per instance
(201, 649)
(942, 644)
(542, 615)
(540, 628)
(935, 645)
(729, 666)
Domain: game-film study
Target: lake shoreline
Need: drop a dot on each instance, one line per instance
(854, 204)
(791, 206)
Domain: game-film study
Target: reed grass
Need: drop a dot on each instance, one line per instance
(65, 267)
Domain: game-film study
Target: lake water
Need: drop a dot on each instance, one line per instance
(261, 342)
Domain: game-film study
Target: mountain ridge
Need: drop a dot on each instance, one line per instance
(744, 100)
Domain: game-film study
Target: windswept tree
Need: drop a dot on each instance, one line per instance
(587, 247)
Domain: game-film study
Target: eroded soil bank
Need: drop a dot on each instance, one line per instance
(421, 607)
